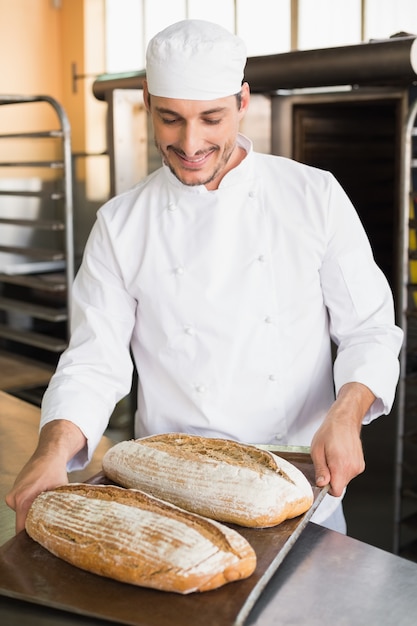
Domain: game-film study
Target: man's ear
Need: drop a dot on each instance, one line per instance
(245, 98)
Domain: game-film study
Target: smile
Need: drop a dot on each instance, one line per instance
(194, 162)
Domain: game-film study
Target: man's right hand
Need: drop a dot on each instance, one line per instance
(58, 442)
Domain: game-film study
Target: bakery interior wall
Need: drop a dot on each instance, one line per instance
(56, 48)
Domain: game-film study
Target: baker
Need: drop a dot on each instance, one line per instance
(227, 274)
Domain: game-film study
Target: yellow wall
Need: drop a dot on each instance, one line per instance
(40, 40)
(30, 49)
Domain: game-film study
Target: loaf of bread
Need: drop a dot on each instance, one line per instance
(134, 538)
(217, 478)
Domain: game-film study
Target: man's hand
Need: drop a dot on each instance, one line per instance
(336, 448)
(58, 442)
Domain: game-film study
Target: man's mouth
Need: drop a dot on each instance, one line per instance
(195, 161)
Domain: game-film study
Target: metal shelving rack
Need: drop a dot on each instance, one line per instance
(37, 268)
(405, 495)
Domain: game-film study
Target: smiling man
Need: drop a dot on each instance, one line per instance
(227, 274)
(196, 139)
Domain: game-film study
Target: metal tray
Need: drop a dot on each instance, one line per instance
(30, 573)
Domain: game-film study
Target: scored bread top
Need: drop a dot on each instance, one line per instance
(141, 501)
(133, 537)
(222, 450)
(217, 478)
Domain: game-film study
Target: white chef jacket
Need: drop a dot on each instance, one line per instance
(227, 300)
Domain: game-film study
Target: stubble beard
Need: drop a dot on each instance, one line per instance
(227, 153)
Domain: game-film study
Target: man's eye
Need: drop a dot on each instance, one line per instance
(166, 120)
(212, 122)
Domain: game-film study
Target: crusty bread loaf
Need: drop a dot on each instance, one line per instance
(218, 478)
(134, 538)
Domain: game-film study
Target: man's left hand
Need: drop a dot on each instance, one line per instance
(336, 448)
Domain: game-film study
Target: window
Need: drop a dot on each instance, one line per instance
(393, 17)
(131, 23)
(328, 23)
(274, 34)
(125, 40)
(265, 25)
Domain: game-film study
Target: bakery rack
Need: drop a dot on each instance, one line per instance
(405, 504)
(36, 241)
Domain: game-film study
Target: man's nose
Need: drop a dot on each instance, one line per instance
(190, 139)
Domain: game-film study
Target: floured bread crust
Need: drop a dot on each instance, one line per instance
(218, 478)
(135, 538)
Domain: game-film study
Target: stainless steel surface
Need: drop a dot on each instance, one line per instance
(106, 83)
(384, 62)
(405, 403)
(276, 448)
(30, 573)
(330, 579)
(326, 578)
(128, 139)
(283, 105)
(65, 133)
(391, 61)
(261, 585)
(37, 231)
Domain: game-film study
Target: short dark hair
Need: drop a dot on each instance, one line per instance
(238, 97)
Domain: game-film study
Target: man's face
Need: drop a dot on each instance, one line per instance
(197, 139)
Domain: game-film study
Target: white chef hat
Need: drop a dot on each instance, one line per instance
(195, 60)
